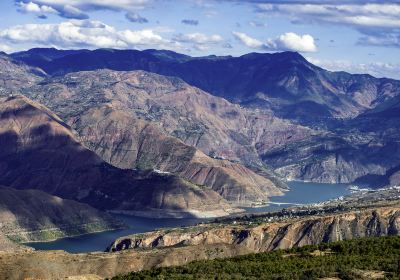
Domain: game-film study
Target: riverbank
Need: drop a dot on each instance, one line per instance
(300, 193)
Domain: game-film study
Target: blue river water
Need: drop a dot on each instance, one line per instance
(299, 193)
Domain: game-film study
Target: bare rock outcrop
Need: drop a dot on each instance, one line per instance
(271, 236)
(183, 246)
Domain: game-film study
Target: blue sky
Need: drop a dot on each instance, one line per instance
(356, 36)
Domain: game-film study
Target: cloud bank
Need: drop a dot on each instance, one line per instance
(286, 42)
(82, 33)
(96, 34)
(378, 21)
(78, 9)
(377, 69)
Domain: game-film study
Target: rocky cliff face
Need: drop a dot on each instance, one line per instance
(31, 215)
(281, 235)
(39, 151)
(180, 247)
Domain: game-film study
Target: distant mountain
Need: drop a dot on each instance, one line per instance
(40, 57)
(39, 151)
(32, 215)
(285, 83)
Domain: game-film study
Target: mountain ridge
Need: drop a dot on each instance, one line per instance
(263, 80)
(335, 106)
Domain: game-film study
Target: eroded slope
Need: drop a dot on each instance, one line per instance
(39, 151)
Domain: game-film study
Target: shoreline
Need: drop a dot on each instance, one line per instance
(196, 214)
(72, 236)
(171, 214)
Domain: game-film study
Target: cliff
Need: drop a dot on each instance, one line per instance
(182, 246)
(271, 236)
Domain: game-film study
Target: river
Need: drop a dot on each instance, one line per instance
(299, 193)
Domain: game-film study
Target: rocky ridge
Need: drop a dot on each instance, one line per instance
(271, 236)
(180, 246)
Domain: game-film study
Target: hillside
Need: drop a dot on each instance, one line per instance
(365, 258)
(373, 214)
(15, 75)
(31, 215)
(143, 120)
(39, 151)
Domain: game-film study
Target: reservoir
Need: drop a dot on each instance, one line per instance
(299, 193)
(303, 193)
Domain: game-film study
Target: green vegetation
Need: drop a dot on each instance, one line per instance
(345, 259)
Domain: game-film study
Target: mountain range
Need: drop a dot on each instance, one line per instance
(168, 134)
(285, 83)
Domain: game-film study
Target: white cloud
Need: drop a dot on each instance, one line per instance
(372, 15)
(294, 42)
(377, 69)
(247, 40)
(381, 39)
(199, 41)
(141, 37)
(77, 8)
(31, 7)
(83, 33)
(286, 42)
(87, 5)
(198, 38)
(380, 22)
(69, 11)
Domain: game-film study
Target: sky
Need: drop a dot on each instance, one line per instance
(351, 35)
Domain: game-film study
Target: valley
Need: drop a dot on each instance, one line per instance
(299, 193)
(126, 160)
(199, 139)
(370, 214)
